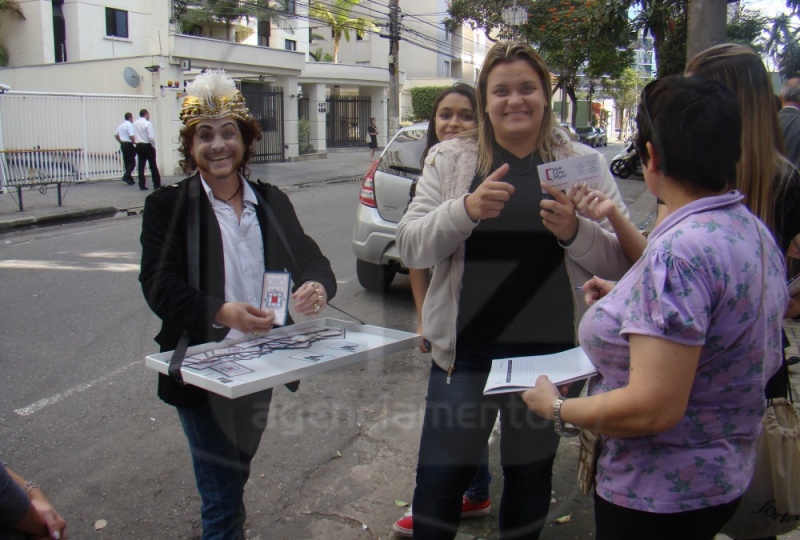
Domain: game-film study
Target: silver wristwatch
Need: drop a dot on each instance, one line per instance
(558, 423)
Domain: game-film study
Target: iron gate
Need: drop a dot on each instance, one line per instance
(347, 121)
(266, 106)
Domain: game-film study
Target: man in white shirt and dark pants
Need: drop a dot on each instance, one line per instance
(126, 138)
(146, 149)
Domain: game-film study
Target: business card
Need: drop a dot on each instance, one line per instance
(566, 172)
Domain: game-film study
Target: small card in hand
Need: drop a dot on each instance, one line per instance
(275, 295)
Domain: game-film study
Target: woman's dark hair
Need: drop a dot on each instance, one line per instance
(695, 128)
(250, 130)
(458, 88)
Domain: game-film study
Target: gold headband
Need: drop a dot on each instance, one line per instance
(212, 95)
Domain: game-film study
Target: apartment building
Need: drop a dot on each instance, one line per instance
(138, 52)
(429, 55)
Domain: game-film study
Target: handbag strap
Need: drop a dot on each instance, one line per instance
(779, 384)
(193, 264)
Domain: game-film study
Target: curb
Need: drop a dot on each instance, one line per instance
(83, 214)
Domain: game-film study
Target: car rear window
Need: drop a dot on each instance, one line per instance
(584, 129)
(403, 155)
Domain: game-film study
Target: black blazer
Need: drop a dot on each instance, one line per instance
(164, 271)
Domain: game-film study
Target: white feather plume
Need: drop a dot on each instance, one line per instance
(212, 84)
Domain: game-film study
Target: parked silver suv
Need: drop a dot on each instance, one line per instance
(384, 198)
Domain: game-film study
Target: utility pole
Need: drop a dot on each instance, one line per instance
(394, 62)
(706, 25)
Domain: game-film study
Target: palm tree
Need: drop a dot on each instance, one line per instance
(194, 14)
(338, 16)
(8, 8)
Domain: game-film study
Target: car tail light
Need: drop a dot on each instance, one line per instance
(367, 195)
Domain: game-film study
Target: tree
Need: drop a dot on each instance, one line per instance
(567, 33)
(625, 91)
(320, 56)
(338, 16)
(783, 42)
(196, 13)
(8, 9)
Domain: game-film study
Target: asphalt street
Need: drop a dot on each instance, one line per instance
(80, 416)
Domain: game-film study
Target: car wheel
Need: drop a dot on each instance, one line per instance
(374, 277)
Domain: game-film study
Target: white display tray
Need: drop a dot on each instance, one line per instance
(233, 371)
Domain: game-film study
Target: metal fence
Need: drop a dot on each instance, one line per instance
(302, 108)
(347, 121)
(33, 120)
(266, 105)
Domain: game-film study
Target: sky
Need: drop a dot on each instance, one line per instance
(769, 7)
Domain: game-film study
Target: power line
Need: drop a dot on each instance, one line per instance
(419, 39)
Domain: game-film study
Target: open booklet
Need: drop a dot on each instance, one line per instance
(517, 374)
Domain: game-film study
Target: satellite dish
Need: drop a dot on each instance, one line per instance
(131, 77)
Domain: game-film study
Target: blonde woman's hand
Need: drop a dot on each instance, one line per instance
(558, 214)
(490, 198)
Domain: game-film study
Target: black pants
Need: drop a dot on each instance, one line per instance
(129, 160)
(146, 152)
(614, 522)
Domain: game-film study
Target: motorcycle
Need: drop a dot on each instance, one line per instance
(627, 162)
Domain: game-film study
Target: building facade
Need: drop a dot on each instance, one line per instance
(138, 49)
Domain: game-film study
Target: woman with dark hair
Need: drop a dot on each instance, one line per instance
(502, 285)
(372, 131)
(685, 342)
(453, 114)
(240, 230)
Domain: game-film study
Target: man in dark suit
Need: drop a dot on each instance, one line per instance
(236, 242)
(789, 117)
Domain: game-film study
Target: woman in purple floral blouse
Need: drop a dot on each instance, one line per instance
(686, 340)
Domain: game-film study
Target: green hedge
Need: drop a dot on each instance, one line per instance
(422, 100)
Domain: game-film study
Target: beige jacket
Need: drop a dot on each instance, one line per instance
(434, 228)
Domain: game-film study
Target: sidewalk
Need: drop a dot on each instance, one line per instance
(106, 198)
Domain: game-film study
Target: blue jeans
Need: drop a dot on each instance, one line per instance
(224, 435)
(478, 489)
(457, 424)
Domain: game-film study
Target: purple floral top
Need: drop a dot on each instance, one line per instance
(698, 283)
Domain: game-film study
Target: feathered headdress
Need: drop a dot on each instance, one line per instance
(212, 95)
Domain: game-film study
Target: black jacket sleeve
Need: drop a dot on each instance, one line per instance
(164, 271)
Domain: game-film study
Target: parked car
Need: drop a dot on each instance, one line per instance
(586, 135)
(383, 200)
(600, 138)
(570, 131)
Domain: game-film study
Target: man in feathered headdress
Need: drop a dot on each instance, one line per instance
(206, 243)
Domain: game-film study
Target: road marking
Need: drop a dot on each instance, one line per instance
(42, 403)
(47, 265)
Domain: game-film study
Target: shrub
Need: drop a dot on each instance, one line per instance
(422, 100)
(303, 136)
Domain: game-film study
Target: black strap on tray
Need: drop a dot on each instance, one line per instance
(273, 221)
(193, 262)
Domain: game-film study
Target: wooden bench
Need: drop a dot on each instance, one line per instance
(40, 167)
